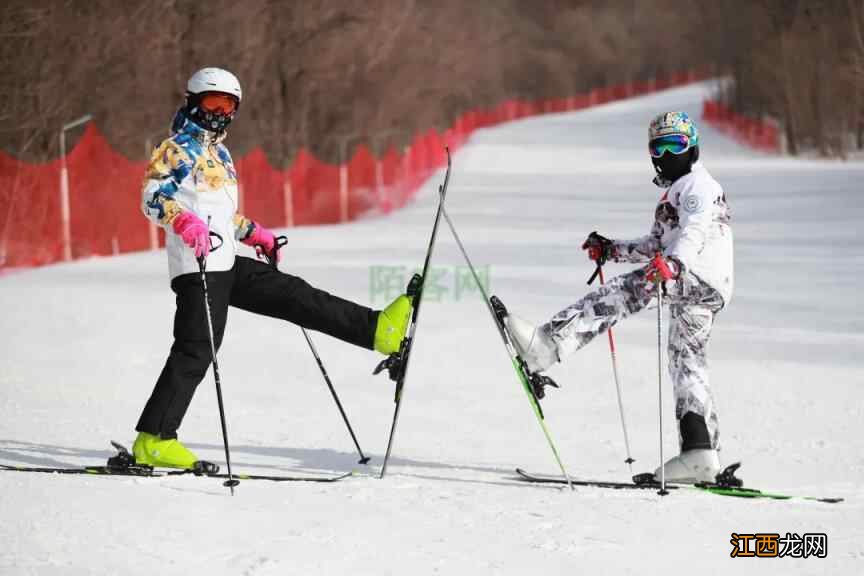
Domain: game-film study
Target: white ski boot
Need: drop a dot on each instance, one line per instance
(691, 466)
(534, 344)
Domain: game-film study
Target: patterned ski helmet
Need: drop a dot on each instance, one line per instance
(671, 123)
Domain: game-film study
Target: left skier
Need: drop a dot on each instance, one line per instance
(190, 189)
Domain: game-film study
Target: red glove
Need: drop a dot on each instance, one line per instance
(263, 240)
(661, 269)
(194, 233)
(600, 249)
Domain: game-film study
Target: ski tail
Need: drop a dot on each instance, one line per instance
(548, 479)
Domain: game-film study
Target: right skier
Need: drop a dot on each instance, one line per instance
(690, 249)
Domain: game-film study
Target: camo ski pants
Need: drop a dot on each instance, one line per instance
(693, 306)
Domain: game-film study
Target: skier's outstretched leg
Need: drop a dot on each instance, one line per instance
(261, 289)
(575, 326)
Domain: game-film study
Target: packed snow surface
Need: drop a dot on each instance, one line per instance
(83, 343)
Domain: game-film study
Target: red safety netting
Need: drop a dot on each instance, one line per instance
(757, 133)
(105, 188)
(256, 174)
(104, 199)
(29, 213)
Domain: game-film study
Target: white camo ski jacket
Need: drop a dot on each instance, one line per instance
(691, 225)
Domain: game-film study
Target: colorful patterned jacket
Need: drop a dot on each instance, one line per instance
(193, 171)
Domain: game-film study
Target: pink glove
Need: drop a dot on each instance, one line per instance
(194, 233)
(263, 241)
(662, 268)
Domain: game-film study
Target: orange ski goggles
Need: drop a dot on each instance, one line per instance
(219, 103)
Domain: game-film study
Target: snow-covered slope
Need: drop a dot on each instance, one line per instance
(83, 343)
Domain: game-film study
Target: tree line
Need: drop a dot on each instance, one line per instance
(329, 75)
(799, 61)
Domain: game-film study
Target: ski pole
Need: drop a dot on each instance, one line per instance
(202, 266)
(363, 458)
(659, 285)
(274, 262)
(629, 460)
(507, 344)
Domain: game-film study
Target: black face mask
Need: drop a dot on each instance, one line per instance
(212, 121)
(670, 167)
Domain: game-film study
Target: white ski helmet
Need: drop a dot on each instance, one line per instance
(212, 81)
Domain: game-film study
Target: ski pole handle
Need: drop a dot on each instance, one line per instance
(217, 236)
(597, 272)
(600, 249)
(273, 259)
(202, 261)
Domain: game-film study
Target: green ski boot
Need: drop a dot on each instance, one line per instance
(150, 450)
(392, 325)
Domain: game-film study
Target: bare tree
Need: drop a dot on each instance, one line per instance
(398, 67)
(856, 13)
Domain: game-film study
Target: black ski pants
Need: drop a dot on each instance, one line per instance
(253, 286)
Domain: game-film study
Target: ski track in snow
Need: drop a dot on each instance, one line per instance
(84, 342)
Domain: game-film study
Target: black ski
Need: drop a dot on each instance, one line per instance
(123, 464)
(397, 364)
(544, 479)
(148, 472)
(647, 482)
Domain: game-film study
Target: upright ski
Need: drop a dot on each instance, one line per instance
(397, 364)
(533, 383)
